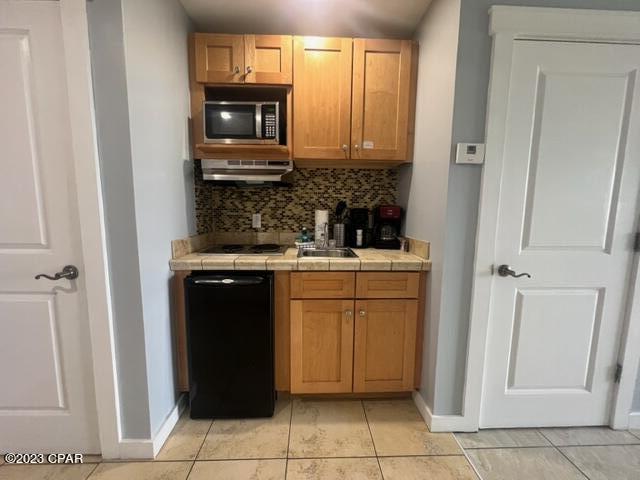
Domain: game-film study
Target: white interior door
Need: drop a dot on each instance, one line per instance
(47, 400)
(567, 215)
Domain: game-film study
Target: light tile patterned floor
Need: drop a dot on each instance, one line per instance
(361, 440)
(594, 453)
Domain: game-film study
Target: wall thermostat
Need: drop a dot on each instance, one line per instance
(470, 153)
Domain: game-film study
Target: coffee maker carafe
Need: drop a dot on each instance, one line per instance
(360, 228)
(387, 229)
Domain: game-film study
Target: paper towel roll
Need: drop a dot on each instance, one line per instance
(322, 222)
(322, 217)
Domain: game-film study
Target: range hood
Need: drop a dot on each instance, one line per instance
(247, 171)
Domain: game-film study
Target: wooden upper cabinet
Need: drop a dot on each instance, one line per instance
(262, 59)
(385, 345)
(321, 346)
(383, 99)
(268, 59)
(322, 97)
(219, 58)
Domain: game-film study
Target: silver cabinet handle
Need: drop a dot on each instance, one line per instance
(69, 272)
(505, 271)
(348, 313)
(356, 146)
(236, 70)
(362, 313)
(345, 147)
(249, 69)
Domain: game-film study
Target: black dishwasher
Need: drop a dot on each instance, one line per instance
(230, 344)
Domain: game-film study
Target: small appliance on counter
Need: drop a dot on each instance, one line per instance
(359, 232)
(388, 221)
(230, 338)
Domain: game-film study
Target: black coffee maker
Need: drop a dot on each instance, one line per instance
(388, 220)
(360, 228)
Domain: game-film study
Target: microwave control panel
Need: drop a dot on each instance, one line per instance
(269, 121)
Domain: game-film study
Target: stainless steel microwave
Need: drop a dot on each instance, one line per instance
(241, 122)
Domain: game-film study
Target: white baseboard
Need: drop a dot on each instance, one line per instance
(442, 423)
(145, 448)
(165, 429)
(131, 448)
(634, 421)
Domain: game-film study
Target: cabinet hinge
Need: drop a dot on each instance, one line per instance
(636, 243)
(618, 374)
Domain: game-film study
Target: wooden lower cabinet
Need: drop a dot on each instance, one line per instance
(370, 344)
(384, 345)
(366, 344)
(321, 346)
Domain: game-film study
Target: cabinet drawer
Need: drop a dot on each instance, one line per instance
(387, 284)
(322, 284)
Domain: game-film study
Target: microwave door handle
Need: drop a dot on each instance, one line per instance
(259, 120)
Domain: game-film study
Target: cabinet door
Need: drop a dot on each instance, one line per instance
(321, 346)
(382, 115)
(322, 97)
(219, 58)
(268, 59)
(385, 345)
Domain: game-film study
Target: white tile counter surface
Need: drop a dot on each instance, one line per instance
(368, 259)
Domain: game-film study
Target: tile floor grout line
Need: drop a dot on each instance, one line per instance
(373, 442)
(523, 447)
(464, 452)
(637, 435)
(193, 463)
(572, 445)
(591, 444)
(572, 462)
(561, 453)
(88, 476)
(286, 462)
(202, 444)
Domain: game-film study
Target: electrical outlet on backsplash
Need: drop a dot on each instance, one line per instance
(226, 208)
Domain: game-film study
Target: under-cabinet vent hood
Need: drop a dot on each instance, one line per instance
(247, 171)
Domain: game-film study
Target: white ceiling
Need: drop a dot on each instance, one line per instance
(356, 18)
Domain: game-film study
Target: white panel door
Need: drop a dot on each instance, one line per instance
(47, 401)
(567, 215)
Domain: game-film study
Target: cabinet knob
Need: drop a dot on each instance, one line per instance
(356, 146)
(236, 70)
(249, 69)
(362, 313)
(345, 147)
(348, 313)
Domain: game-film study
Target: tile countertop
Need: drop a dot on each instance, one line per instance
(368, 259)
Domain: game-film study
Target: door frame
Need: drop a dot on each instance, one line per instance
(75, 32)
(508, 24)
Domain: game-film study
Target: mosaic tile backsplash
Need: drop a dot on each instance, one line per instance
(223, 208)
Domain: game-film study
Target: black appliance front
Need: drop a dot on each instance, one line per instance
(230, 344)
